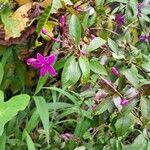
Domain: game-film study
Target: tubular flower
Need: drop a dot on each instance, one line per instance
(119, 18)
(43, 63)
(115, 72)
(124, 102)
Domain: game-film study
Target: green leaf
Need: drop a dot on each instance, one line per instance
(34, 120)
(97, 67)
(145, 107)
(103, 106)
(70, 96)
(43, 19)
(81, 127)
(3, 141)
(56, 4)
(140, 143)
(75, 28)
(42, 109)
(112, 44)
(1, 73)
(123, 124)
(71, 72)
(10, 108)
(132, 76)
(29, 141)
(85, 68)
(146, 66)
(1, 96)
(58, 105)
(41, 82)
(95, 43)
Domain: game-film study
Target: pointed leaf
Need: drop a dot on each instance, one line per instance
(85, 68)
(95, 43)
(71, 72)
(75, 28)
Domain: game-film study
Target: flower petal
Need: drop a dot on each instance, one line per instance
(51, 71)
(50, 59)
(41, 59)
(43, 71)
(34, 63)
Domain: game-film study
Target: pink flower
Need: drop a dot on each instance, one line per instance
(66, 136)
(43, 63)
(62, 20)
(44, 31)
(99, 95)
(115, 72)
(124, 102)
(119, 18)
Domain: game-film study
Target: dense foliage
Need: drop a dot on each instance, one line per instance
(75, 75)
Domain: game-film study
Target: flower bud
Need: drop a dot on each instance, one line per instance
(115, 72)
(44, 31)
(124, 102)
(62, 21)
(99, 95)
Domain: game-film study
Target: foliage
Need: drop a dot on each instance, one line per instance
(94, 62)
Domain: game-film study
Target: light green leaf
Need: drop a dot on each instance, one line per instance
(95, 43)
(3, 141)
(85, 68)
(10, 108)
(42, 109)
(140, 143)
(131, 75)
(123, 124)
(56, 4)
(29, 141)
(145, 107)
(97, 67)
(71, 72)
(146, 66)
(112, 44)
(75, 28)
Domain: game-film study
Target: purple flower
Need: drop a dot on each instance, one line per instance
(43, 63)
(148, 38)
(124, 102)
(140, 6)
(115, 72)
(62, 21)
(66, 136)
(119, 18)
(44, 31)
(142, 38)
